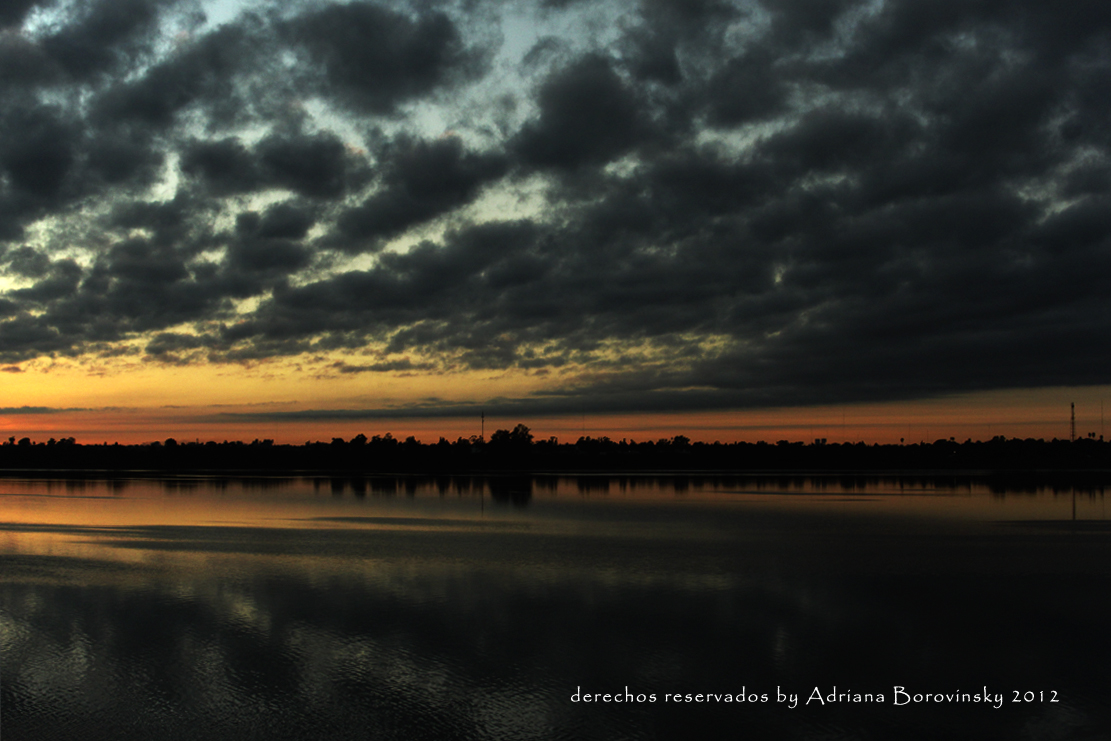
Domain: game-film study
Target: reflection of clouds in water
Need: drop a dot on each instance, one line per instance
(519, 501)
(396, 623)
(781, 649)
(515, 713)
(471, 649)
(485, 654)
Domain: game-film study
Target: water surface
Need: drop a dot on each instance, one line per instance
(471, 608)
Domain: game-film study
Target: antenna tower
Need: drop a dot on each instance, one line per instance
(1072, 427)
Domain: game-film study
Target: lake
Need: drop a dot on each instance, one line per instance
(595, 607)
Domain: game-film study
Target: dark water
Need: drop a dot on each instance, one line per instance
(479, 609)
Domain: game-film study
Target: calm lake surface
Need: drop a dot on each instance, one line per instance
(485, 608)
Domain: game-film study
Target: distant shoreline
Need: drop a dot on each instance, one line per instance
(1031, 477)
(515, 452)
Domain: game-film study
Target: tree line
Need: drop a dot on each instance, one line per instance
(516, 449)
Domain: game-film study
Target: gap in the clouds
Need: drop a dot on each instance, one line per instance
(352, 131)
(732, 143)
(176, 26)
(219, 12)
(42, 19)
(168, 186)
(524, 198)
(580, 26)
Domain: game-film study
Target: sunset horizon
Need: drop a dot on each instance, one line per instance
(866, 222)
(978, 417)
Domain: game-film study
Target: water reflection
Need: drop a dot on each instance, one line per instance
(441, 608)
(518, 489)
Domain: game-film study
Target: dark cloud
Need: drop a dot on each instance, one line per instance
(158, 216)
(104, 36)
(672, 30)
(809, 201)
(399, 364)
(315, 166)
(140, 263)
(27, 262)
(656, 60)
(37, 151)
(803, 22)
(256, 254)
(182, 225)
(1087, 180)
(61, 280)
(167, 344)
(835, 140)
(434, 287)
(10, 227)
(24, 336)
(203, 73)
(122, 157)
(588, 115)
(12, 12)
(746, 88)
(309, 165)
(24, 63)
(1081, 226)
(374, 58)
(266, 243)
(137, 286)
(421, 180)
(225, 164)
(285, 221)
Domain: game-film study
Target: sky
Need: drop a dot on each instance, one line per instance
(768, 219)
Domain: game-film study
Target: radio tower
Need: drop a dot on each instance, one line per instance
(1072, 427)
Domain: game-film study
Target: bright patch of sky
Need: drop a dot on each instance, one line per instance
(219, 12)
(42, 19)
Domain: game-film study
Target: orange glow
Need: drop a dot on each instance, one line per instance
(1042, 413)
(129, 400)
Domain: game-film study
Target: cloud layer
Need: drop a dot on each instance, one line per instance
(677, 205)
